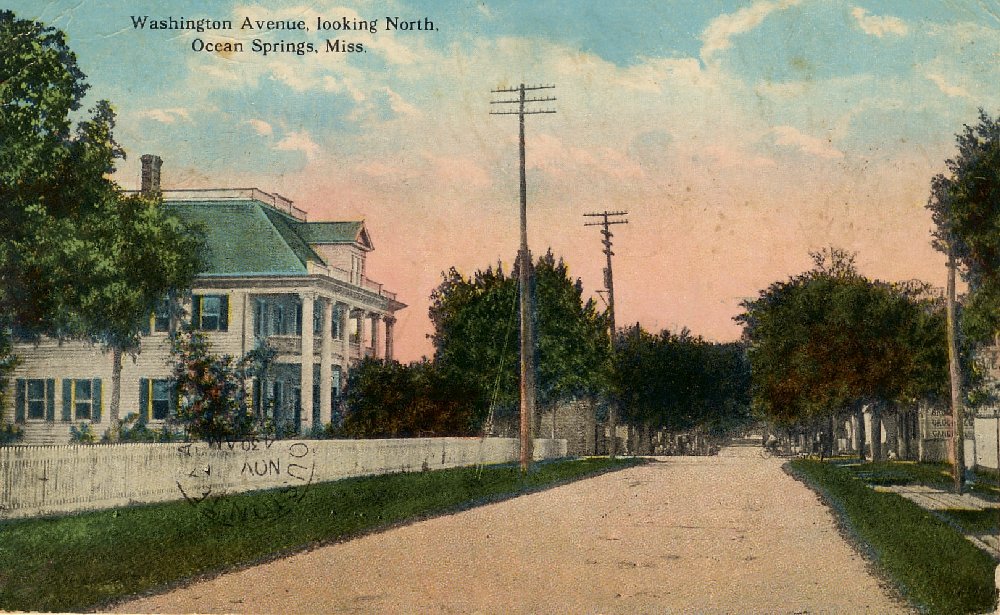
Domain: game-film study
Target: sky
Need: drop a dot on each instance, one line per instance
(738, 136)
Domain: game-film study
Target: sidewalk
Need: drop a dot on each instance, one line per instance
(933, 499)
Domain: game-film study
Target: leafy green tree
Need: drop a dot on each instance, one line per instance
(476, 331)
(965, 205)
(46, 178)
(386, 399)
(827, 342)
(680, 382)
(136, 256)
(79, 259)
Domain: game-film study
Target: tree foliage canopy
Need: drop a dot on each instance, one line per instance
(679, 381)
(828, 339)
(79, 258)
(476, 330)
(965, 205)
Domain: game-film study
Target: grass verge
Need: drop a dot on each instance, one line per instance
(91, 559)
(931, 563)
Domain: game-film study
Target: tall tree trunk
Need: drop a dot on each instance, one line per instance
(958, 469)
(859, 417)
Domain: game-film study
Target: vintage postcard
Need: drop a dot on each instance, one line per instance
(356, 175)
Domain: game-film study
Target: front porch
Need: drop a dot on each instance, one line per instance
(317, 338)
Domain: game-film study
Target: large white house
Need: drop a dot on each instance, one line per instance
(270, 276)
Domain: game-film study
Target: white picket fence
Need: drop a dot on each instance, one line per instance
(42, 480)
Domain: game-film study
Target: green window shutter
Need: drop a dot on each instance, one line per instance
(21, 400)
(98, 400)
(145, 328)
(67, 405)
(172, 397)
(196, 311)
(50, 399)
(224, 313)
(144, 399)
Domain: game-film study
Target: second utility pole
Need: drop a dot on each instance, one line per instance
(610, 217)
(524, 270)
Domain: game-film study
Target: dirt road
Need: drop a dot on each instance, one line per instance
(731, 533)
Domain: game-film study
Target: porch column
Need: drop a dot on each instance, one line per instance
(375, 318)
(306, 373)
(361, 315)
(326, 362)
(390, 320)
(345, 340)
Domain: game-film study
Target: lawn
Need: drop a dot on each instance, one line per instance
(930, 561)
(82, 561)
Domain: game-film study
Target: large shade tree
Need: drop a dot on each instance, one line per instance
(828, 342)
(965, 205)
(476, 331)
(680, 382)
(78, 257)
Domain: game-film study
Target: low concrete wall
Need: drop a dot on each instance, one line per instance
(41, 480)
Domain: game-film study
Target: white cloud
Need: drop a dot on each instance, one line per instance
(879, 26)
(167, 116)
(300, 142)
(399, 104)
(793, 137)
(261, 127)
(954, 91)
(717, 36)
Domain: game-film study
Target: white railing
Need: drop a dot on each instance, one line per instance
(275, 200)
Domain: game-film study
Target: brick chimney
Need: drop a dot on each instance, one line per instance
(151, 172)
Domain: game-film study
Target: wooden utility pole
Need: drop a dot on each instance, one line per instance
(958, 468)
(610, 218)
(525, 269)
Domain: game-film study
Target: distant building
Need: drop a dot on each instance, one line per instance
(271, 276)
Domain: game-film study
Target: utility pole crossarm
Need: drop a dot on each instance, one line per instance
(517, 100)
(522, 112)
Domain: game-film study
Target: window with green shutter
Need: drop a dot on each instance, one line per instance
(157, 399)
(81, 399)
(36, 401)
(210, 312)
(160, 400)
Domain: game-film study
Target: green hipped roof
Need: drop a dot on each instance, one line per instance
(248, 237)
